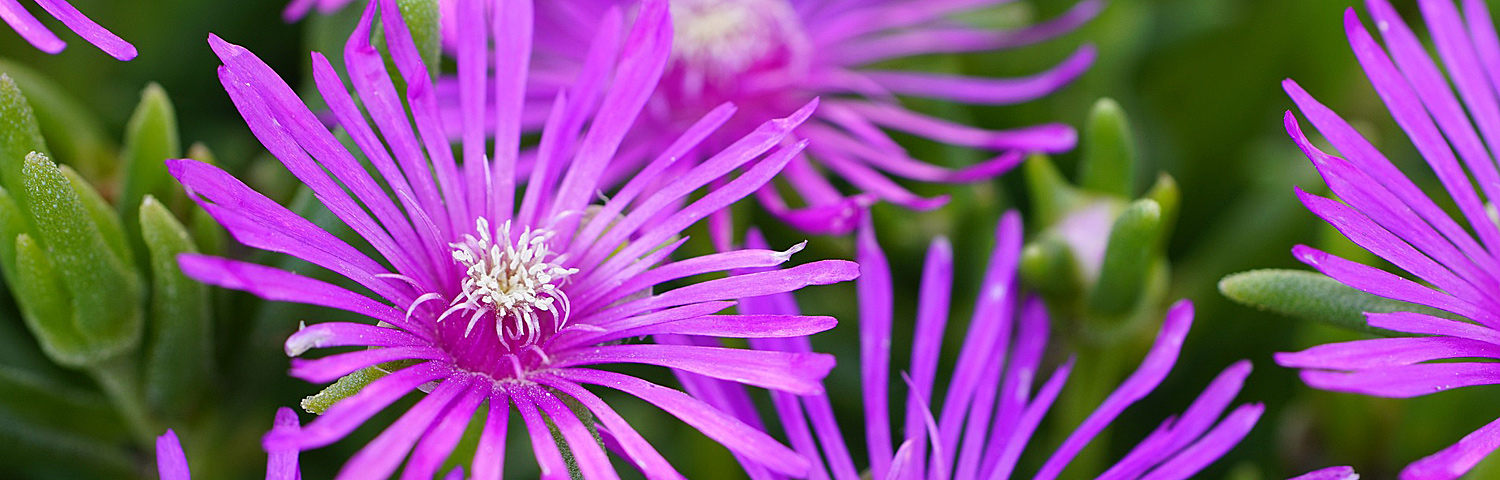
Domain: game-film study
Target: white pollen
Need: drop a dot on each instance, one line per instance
(515, 281)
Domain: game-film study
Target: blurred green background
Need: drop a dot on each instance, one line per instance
(1200, 80)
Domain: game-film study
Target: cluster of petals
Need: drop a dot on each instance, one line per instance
(991, 406)
(426, 203)
(1453, 120)
(32, 30)
(770, 56)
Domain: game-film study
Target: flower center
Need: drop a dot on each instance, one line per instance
(723, 38)
(516, 281)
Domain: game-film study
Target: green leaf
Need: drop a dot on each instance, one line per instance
(105, 293)
(150, 139)
(1127, 258)
(77, 455)
(12, 224)
(180, 358)
(1048, 266)
(1109, 153)
(47, 309)
(74, 129)
(422, 17)
(103, 215)
(19, 135)
(1167, 196)
(344, 388)
(1051, 195)
(1315, 297)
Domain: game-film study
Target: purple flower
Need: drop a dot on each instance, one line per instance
(38, 36)
(1330, 473)
(281, 464)
(990, 409)
(488, 299)
(769, 56)
(1384, 212)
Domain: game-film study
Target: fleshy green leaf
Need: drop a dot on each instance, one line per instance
(180, 358)
(150, 139)
(46, 307)
(1127, 258)
(19, 135)
(1315, 297)
(1167, 196)
(1048, 266)
(12, 224)
(103, 215)
(105, 293)
(1051, 195)
(344, 388)
(1109, 153)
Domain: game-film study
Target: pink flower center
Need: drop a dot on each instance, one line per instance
(725, 49)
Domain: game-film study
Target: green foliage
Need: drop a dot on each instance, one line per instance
(1109, 153)
(1313, 297)
(180, 359)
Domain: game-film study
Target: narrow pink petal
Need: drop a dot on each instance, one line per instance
(547, 456)
(732, 433)
(1159, 360)
(171, 462)
(987, 91)
(489, 455)
(1330, 473)
(1456, 460)
(29, 27)
(1405, 381)
(1045, 138)
(1213, 445)
(1375, 281)
(104, 39)
(800, 373)
(439, 441)
(346, 415)
(875, 306)
(281, 463)
(927, 340)
(283, 286)
(380, 457)
(635, 447)
(330, 368)
(1386, 352)
(591, 460)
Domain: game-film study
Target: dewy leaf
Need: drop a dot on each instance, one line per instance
(47, 309)
(74, 129)
(105, 292)
(150, 139)
(103, 215)
(344, 388)
(12, 224)
(1315, 297)
(1127, 258)
(19, 135)
(1167, 196)
(179, 361)
(1109, 153)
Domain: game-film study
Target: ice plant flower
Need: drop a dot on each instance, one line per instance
(1384, 212)
(486, 300)
(990, 408)
(281, 464)
(40, 37)
(769, 56)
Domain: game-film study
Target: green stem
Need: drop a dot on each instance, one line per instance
(120, 380)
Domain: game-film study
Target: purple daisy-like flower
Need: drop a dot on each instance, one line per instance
(488, 299)
(39, 36)
(1387, 214)
(769, 56)
(990, 408)
(281, 464)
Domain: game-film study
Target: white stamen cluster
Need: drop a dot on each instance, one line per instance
(515, 281)
(724, 37)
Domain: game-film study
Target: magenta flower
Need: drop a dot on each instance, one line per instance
(488, 299)
(1384, 212)
(770, 56)
(990, 408)
(281, 464)
(38, 36)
